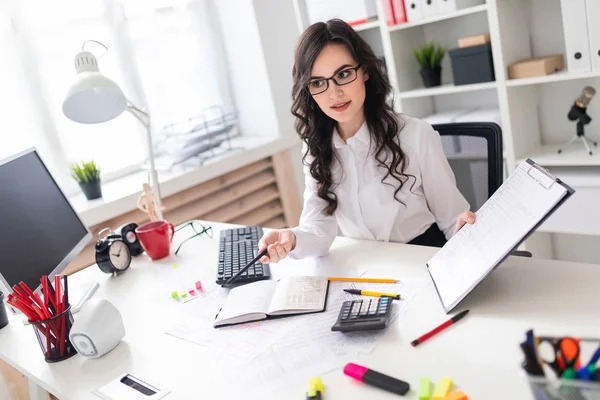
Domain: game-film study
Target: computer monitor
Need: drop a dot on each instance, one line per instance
(40, 232)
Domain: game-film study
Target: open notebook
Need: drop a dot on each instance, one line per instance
(274, 298)
(527, 198)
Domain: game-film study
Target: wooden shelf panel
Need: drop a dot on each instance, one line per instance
(263, 214)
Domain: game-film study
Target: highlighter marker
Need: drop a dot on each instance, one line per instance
(376, 379)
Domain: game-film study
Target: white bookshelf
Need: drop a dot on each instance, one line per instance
(367, 25)
(533, 111)
(548, 156)
(427, 21)
(556, 77)
(448, 88)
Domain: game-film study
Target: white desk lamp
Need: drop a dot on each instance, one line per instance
(93, 98)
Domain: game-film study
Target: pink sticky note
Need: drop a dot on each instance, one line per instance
(198, 285)
(192, 292)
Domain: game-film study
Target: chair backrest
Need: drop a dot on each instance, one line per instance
(474, 151)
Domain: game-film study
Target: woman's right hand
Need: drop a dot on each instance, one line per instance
(279, 243)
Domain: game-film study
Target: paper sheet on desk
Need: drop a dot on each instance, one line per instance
(308, 347)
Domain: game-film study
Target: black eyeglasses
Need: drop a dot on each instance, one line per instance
(198, 228)
(343, 77)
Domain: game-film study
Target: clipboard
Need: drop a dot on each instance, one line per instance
(545, 180)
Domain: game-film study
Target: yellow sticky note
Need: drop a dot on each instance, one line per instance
(459, 395)
(442, 389)
(174, 266)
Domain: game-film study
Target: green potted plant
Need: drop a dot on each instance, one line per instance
(88, 177)
(430, 56)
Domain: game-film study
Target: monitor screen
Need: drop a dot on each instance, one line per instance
(39, 230)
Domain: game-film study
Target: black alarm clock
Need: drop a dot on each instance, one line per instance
(130, 238)
(112, 253)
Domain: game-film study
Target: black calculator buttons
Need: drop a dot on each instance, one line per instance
(360, 315)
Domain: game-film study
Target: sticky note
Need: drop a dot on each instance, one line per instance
(424, 389)
(199, 285)
(459, 395)
(192, 292)
(442, 388)
(175, 295)
(174, 266)
(183, 295)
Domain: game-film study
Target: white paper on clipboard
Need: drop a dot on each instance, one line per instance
(516, 209)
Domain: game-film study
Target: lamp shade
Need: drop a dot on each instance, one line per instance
(92, 98)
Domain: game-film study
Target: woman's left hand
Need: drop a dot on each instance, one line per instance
(465, 218)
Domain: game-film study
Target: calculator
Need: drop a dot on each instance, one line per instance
(362, 315)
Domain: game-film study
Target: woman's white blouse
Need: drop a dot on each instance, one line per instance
(366, 206)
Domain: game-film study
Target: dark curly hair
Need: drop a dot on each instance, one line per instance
(316, 128)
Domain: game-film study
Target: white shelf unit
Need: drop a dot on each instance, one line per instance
(427, 21)
(533, 111)
(448, 88)
(367, 25)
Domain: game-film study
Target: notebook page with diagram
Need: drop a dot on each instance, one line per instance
(513, 212)
(287, 296)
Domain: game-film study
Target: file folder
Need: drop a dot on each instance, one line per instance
(592, 8)
(399, 12)
(450, 6)
(413, 10)
(575, 28)
(523, 202)
(388, 10)
(429, 7)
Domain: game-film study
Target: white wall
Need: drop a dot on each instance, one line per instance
(279, 33)
(578, 248)
(259, 38)
(247, 68)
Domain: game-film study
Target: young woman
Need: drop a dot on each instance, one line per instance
(370, 173)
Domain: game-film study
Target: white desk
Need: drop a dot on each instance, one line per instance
(481, 353)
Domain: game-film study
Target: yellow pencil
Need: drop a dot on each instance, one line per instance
(373, 294)
(372, 280)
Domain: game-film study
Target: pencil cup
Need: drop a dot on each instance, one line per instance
(545, 389)
(53, 336)
(3, 315)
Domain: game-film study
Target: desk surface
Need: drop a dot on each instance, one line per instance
(481, 353)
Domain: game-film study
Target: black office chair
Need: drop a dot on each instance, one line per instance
(474, 152)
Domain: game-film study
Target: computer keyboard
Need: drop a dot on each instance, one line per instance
(237, 248)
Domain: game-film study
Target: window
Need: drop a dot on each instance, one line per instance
(160, 54)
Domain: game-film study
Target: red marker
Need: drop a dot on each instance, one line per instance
(440, 328)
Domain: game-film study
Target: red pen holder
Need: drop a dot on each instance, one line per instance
(53, 336)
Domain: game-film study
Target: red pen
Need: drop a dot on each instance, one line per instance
(46, 295)
(58, 305)
(23, 307)
(440, 328)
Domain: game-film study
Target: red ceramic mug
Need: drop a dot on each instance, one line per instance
(155, 237)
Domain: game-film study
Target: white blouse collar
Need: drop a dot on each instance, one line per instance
(361, 138)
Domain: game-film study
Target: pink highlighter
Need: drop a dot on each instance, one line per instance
(376, 379)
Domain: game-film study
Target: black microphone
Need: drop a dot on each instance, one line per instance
(578, 110)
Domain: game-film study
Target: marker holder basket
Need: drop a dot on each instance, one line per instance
(55, 348)
(563, 389)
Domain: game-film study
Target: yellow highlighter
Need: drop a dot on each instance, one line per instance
(374, 294)
(442, 389)
(314, 389)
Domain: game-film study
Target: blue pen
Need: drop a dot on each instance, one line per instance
(588, 372)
